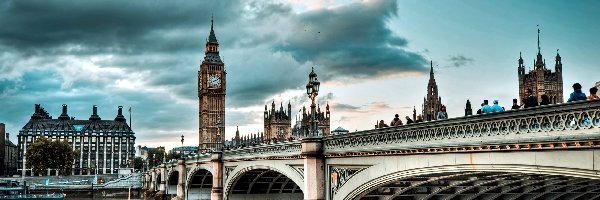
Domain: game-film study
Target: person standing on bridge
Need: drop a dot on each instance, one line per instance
(545, 100)
(419, 119)
(515, 105)
(593, 92)
(382, 124)
(408, 120)
(396, 121)
(442, 113)
(577, 94)
(530, 101)
(486, 107)
(496, 107)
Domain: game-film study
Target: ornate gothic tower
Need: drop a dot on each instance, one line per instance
(540, 79)
(432, 103)
(277, 123)
(211, 94)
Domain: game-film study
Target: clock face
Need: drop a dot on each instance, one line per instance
(214, 81)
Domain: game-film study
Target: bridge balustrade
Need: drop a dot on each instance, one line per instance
(576, 121)
(277, 150)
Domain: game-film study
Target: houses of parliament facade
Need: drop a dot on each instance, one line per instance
(540, 79)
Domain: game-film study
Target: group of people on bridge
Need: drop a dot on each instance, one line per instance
(529, 102)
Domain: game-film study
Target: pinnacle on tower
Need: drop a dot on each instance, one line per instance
(520, 59)
(212, 37)
(431, 70)
(539, 49)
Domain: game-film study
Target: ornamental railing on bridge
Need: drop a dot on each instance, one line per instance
(576, 123)
(288, 149)
(566, 125)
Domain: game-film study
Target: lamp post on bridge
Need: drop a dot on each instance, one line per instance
(182, 146)
(312, 90)
(312, 148)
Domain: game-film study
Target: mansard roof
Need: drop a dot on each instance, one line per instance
(72, 125)
(40, 120)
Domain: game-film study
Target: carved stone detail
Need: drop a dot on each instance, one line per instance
(338, 175)
(299, 169)
(228, 170)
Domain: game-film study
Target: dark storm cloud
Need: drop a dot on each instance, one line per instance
(100, 26)
(352, 41)
(459, 61)
(92, 52)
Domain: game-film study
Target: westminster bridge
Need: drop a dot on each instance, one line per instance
(547, 152)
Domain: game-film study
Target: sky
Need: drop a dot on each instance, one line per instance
(372, 57)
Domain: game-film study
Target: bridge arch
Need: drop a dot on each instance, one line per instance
(576, 165)
(172, 181)
(199, 183)
(258, 180)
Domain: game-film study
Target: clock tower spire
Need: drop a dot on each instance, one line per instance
(211, 95)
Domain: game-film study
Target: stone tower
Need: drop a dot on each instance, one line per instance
(277, 123)
(211, 94)
(432, 103)
(540, 79)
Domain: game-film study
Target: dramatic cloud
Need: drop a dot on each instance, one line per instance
(352, 41)
(459, 61)
(145, 54)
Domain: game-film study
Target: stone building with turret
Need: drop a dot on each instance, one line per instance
(106, 144)
(277, 123)
(541, 80)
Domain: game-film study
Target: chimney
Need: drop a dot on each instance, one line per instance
(120, 116)
(94, 113)
(64, 115)
(36, 114)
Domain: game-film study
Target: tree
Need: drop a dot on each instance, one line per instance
(44, 154)
(138, 163)
(173, 155)
(155, 156)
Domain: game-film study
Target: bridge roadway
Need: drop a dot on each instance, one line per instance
(547, 152)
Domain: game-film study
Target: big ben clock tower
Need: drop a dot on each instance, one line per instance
(211, 94)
